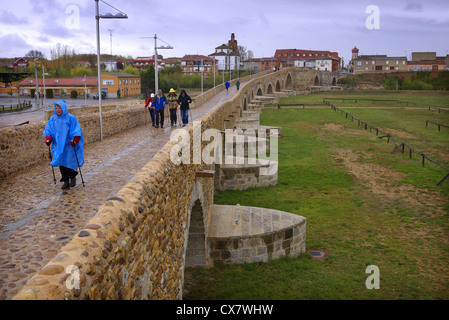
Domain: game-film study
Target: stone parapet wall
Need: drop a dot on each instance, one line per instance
(21, 147)
(105, 107)
(134, 248)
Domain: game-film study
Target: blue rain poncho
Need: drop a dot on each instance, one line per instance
(62, 130)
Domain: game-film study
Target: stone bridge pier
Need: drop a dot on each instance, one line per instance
(164, 219)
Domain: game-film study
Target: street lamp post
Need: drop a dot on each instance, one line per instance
(37, 83)
(43, 79)
(156, 68)
(119, 15)
(202, 75)
(85, 90)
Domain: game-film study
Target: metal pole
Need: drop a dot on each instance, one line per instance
(97, 17)
(85, 90)
(43, 79)
(52, 169)
(230, 69)
(202, 74)
(37, 84)
(156, 81)
(79, 168)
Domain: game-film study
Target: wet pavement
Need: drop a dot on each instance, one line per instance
(37, 217)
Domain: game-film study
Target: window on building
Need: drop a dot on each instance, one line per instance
(397, 62)
(372, 62)
(388, 62)
(359, 63)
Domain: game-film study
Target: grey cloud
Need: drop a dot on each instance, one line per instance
(413, 7)
(15, 44)
(7, 17)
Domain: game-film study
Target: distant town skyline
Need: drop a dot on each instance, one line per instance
(396, 29)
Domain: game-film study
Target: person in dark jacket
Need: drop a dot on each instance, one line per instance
(184, 100)
(159, 103)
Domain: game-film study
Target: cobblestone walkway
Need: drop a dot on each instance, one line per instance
(37, 217)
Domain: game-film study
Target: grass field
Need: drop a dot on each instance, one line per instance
(364, 206)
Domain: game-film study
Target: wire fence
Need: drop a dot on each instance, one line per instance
(437, 124)
(371, 100)
(399, 145)
(439, 109)
(16, 107)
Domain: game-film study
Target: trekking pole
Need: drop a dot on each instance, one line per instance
(79, 166)
(191, 117)
(52, 169)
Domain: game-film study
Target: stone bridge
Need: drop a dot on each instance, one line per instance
(163, 219)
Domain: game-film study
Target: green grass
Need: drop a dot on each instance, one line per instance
(404, 233)
(419, 99)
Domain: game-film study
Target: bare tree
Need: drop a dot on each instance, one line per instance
(36, 54)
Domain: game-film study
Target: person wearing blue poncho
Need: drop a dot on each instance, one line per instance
(63, 132)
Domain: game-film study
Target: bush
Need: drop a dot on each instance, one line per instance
(49, 93)
(74, 94)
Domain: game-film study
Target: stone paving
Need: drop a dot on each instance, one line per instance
(37, 217)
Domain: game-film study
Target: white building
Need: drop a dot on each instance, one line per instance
(110, 65)
(323, 64)
(226, 58)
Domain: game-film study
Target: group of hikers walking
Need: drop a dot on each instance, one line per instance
(64, 137)
(156, 105)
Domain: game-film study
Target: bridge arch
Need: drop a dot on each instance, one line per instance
(270, 89)
(334, 81)
(196, 254)
(278, 86)
(195, 247)
(317, 81)
(289, 82)
(259, 92)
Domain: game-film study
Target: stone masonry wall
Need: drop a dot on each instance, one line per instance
(22, 147)
(135, 246)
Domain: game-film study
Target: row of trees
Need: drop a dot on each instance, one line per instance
(421, 80)
(64, 58)
(172, 77)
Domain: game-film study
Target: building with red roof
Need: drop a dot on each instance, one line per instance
(192, 64)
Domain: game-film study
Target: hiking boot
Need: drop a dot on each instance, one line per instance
(73, 182)
(66, 185)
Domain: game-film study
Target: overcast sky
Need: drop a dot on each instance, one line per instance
(198, 26)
